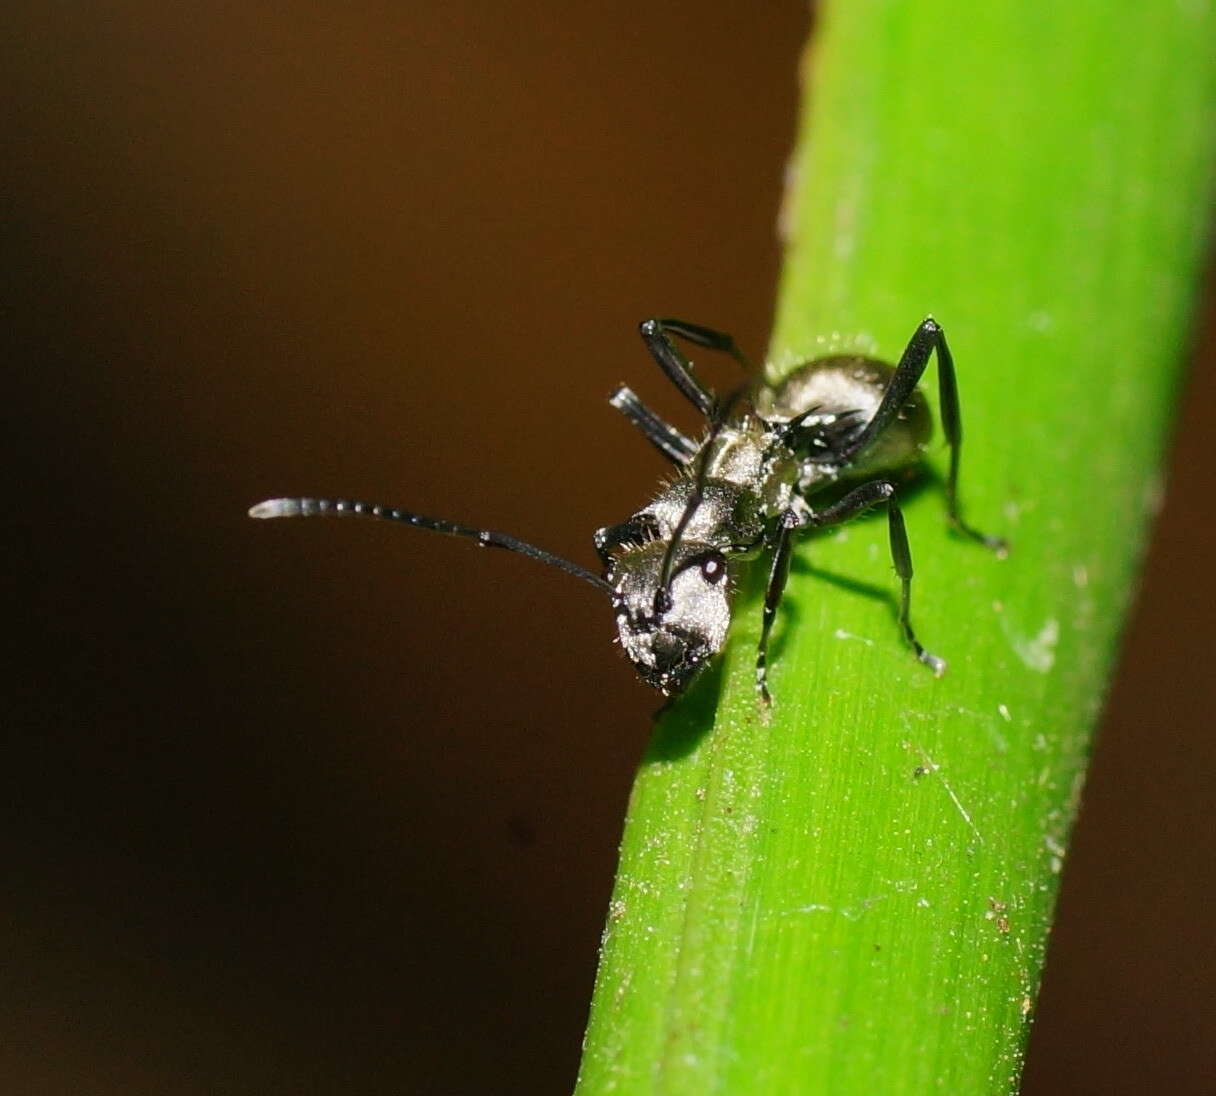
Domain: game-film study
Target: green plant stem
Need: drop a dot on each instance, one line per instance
(852, 893)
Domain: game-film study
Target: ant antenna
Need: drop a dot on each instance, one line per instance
(485, 538)
(662, 594)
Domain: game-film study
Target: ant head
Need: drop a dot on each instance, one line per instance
(669, 635)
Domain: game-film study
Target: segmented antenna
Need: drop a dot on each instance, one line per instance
(485, 538)
(662, 593)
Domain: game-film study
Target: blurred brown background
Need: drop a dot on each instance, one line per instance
(330, 807)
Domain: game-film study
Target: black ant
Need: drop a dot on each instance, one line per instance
(745, 487)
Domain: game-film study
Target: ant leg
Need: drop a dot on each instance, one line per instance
(855, 503)
(777, 576)
(928, 337)
(656, 334)
(952, 427)
(903, 382)
(665, 438)
(707, 337)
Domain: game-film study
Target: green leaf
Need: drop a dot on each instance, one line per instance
(852, 892)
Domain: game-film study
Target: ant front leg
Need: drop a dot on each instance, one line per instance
(656, 334)
(927, 338)
(856, 503)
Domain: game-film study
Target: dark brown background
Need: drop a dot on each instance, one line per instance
(333, 808)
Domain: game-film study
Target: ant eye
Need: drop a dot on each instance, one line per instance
(713, 568)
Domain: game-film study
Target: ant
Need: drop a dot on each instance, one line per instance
(746, 487)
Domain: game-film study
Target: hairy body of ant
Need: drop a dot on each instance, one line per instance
(747, 486)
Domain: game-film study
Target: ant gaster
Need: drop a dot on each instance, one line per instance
(745, 487)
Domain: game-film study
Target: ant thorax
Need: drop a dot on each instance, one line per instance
(747, 477)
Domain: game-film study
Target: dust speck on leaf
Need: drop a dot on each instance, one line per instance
(1037, 652)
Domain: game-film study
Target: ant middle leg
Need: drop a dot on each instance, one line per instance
(853, 505)
(707, 337)
(664, 437)
(657, 335)
(927, 338)
(779, 573)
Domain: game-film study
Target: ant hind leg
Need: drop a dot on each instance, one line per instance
(927, 338)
